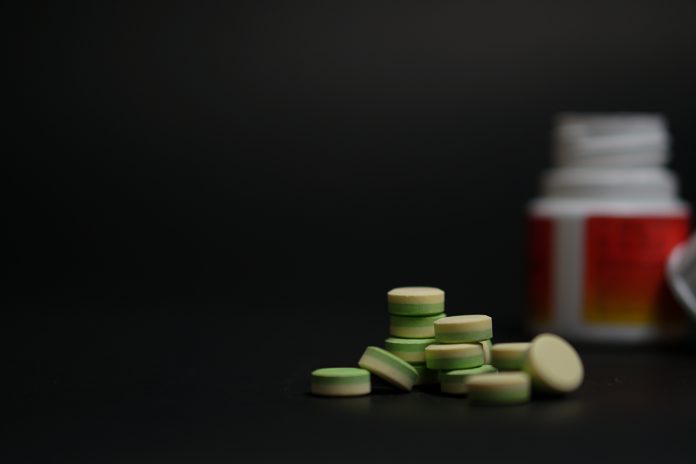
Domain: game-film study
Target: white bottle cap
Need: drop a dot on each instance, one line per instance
(636, 184)
(611, 139)
(681, 274)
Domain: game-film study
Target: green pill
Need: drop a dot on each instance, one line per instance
(411, 350)
(464, 329)
(340, 381)
(455, 382)
(454, 356)
(416, 301)
(415, 309)
(389, 367)
(413, 327)
(509, 356)
(499, 389)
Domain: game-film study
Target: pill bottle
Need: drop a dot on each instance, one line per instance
(602, 230)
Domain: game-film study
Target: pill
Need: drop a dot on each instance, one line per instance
(463, 329)
(425, 376)
(413, 326)
(454, 356)
(486, 345)
(454, 382)
(411, 350)
(499, 388)
(416, 301)
(553, 364)
(509, 356)
(389, 367)
(340, 381)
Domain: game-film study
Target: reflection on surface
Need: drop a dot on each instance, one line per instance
(559, 410)
(357, 405)
(386, 404)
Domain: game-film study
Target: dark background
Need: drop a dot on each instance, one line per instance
(192, 180)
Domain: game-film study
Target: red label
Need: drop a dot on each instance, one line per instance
(539, 237)
(624, 269)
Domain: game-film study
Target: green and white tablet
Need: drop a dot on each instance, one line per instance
(413, 326)
(388, 367)
(499, 389)
(416, 301)
(340, 381)
(454, 356)
(464, 329)
(553, 364)
(411, 350)
(455, 382)
(509, 356)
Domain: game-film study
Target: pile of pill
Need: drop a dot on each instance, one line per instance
(427, 347)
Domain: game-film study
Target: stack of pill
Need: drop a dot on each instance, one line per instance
(412, 313)
(463, 350)
(427, 347)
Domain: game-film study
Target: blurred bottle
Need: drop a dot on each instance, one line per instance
(602, 230)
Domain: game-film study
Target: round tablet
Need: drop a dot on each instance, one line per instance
(340, 381)
(411, 350)
(501, 388)
(509, 356)
(413, 326)
(463, 329)
(425, 376)
(416, 301)
(553, 364)
(486, 345)
(388, 367)
(454, 356)
(454, 382)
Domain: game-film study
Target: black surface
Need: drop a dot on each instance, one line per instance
(227, 384)
(180, 177)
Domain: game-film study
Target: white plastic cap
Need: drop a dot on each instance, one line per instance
(611, 139)
(681, 274)
(639, 184)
